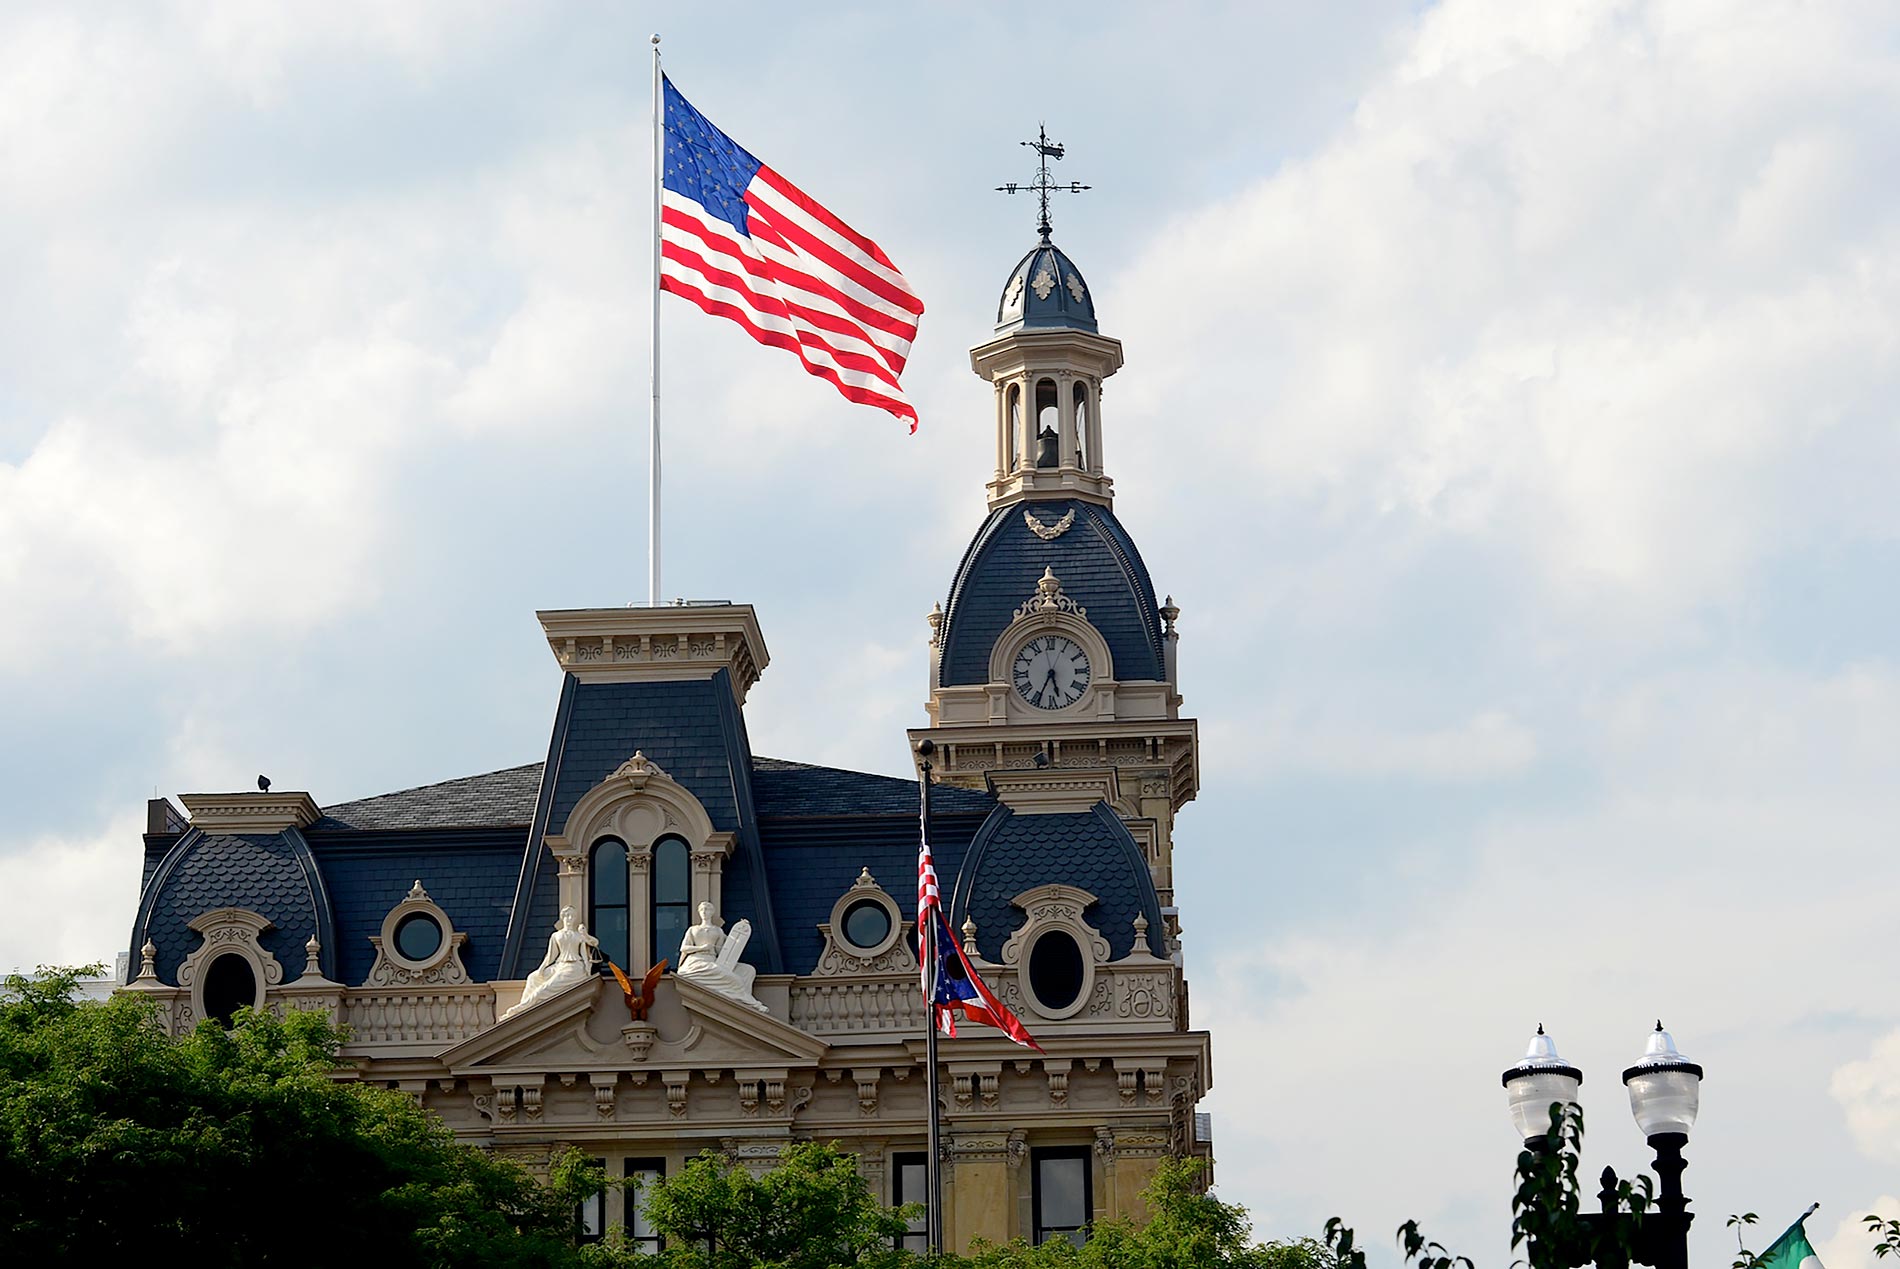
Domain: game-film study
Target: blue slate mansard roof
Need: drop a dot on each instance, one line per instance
(811, 828)
(1091, 850)
(272, 874)
(1098, 566)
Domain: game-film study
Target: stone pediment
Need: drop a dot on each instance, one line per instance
(586, 1028)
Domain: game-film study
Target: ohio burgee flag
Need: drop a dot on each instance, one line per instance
(744, 243)
(1791, 1250)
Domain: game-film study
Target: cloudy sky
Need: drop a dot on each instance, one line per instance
(1509, 407)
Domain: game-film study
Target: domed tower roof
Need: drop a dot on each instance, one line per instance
(1045, 291)
(1098, 565)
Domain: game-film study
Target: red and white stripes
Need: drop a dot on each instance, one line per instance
(798, 278)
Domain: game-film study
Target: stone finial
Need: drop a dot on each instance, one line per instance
(637, 769)
(969, 935)
(313, 949)
(1168, 613)
(1049, 586)
(865, 880)
(1049, 598)
(1141, 927)
(935, 618)
(148, 962)
(415, 892)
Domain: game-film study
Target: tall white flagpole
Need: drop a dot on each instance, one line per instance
(653, 417)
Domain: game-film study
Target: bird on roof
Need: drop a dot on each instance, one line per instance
(263, 784)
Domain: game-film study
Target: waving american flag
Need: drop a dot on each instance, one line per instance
(742, 242)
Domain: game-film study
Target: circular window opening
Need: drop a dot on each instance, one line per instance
(1055, 970)
(867, 923)
(418, 937)
(230, 984)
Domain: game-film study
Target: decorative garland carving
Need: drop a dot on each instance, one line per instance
(1048, 532)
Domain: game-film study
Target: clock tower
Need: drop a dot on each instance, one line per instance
(1052, 663)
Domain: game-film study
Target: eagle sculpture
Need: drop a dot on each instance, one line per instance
(638, 1002)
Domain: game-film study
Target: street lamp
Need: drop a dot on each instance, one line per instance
(1664, 1090)
(1541, 1079)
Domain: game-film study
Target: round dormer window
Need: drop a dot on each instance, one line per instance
(418, 937)
(866, 924)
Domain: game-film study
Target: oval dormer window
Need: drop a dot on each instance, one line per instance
(1055, 971)
(230, 984)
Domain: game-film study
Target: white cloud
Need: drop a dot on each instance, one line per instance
(1560, 284)
(85, 892)
(1868, 1090)
(1851, 1246)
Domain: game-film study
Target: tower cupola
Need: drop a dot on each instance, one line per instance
(1047, 363)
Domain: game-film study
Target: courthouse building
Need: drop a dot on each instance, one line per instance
(1061, 758)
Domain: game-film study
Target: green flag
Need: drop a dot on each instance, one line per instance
(1791, 1251)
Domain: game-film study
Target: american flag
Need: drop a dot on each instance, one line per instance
(741, 241)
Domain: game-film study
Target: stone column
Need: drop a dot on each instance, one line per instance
(708, 860)
(639, 908)
(1065, 418)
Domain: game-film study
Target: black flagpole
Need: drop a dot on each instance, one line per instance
(933, 1171)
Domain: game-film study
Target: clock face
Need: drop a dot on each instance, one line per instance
(1050, 671)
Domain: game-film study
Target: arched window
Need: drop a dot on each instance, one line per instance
(230, 984)
(1015, 425)
(1081, 426)
(1048, 441)
(672, 899)
(607, 900)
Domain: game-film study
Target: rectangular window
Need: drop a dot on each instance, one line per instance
(909, 1185)
(640, 1234)
(591, 1214)
(1062, 1198)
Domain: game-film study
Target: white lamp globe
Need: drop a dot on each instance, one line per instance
(1539, 1080)
(1665, 1088)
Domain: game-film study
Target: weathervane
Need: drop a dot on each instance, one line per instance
(1042, 185)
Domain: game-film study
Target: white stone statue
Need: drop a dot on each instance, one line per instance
(710, 958)
(570, 959)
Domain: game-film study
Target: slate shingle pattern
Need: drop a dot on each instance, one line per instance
(472, 878)
(782, 788)
(1090, 849)
(258, 871)
(1099, 568)
(811, 860)
(494, 798)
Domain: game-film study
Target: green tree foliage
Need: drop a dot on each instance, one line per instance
(813, 1211)
(1886, 1235)
(1187, 1228)
(120, 1143)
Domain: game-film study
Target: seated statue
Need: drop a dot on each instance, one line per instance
(710, 958)
(570, 959)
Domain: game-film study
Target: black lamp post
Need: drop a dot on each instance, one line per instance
(1664, 1090)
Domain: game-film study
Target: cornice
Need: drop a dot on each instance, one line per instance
(680, 641)
(250, 812)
